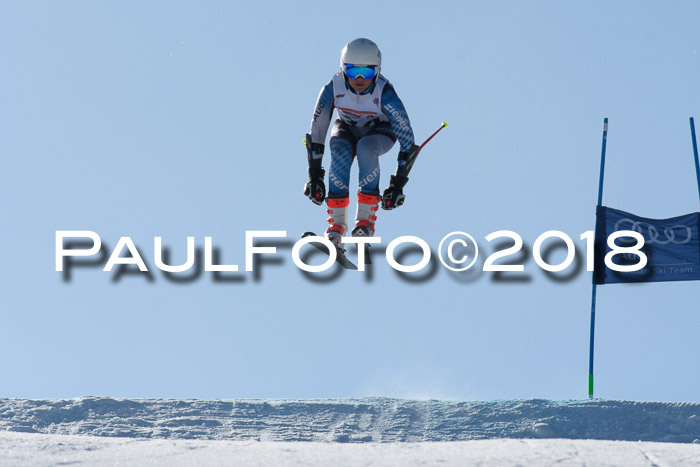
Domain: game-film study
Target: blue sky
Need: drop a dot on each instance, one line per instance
(179, 119)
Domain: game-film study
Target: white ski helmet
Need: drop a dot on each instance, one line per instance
(361, 52)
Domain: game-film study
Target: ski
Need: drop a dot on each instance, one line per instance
(340, 258)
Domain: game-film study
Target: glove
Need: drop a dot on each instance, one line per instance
(315, 189)
(393, 196)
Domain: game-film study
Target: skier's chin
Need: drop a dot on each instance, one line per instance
(359, 85)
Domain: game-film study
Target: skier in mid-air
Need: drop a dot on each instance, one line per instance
(371, 118)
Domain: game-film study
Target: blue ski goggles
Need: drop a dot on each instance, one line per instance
(354, 71)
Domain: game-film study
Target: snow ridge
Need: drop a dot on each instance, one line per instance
(354, 420)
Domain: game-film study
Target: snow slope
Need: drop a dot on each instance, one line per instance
(377, 431)
(18, 449)
(354, 420)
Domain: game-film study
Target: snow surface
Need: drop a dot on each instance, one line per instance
(45, 450)
(371, 431)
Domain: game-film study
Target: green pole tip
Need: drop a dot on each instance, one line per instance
(444, 124)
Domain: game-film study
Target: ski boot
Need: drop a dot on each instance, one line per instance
(337, 220)
(367, 206)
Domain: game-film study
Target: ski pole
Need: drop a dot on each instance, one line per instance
(411, 159)
(444, 125)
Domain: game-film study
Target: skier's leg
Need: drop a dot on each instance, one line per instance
(341, 160)
(369, 148)
(342, 144)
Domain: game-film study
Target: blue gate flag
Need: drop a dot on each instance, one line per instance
(672, 247)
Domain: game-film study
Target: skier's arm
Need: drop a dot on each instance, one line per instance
(315, 189)
(392, 106)
(320, 123)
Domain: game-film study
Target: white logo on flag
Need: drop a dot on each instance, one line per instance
(677, 234)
